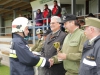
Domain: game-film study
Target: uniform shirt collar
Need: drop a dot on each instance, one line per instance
(74, 30)
(41, 38)
(55, 32)
(91, 40)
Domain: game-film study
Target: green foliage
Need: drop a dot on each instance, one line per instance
(4, 70)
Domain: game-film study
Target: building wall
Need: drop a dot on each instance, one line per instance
(93, 6)
(8, 24)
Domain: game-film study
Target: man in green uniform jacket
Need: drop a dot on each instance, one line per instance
(38, 46)
(72, 46)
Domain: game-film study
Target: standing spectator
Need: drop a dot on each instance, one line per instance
(72, 46)
(39, 21)
(20, 15)
(25, 16)
(90, 62)
(56, 11)
(81, 22)
(29, 17)
(46, 14)
(49, 51)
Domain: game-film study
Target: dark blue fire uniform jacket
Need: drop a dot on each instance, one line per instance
(90, 62)
(22, 59)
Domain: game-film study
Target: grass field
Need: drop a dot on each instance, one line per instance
(4, 70)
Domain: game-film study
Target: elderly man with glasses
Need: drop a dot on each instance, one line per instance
(49, 51)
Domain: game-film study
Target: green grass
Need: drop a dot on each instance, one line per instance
(4, 70)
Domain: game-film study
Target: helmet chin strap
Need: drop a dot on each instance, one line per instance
(24, 34)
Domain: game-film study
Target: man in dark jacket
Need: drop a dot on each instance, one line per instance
(90, 62)
(21, 59)
(49, 51)
(56, 11)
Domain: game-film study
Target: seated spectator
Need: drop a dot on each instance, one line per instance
(38, 18)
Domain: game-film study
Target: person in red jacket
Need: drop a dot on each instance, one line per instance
(46, 14)
(56, 11)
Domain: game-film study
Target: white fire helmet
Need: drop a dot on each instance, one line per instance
(19, 24)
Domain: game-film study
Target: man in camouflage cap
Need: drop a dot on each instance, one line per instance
(72, 46)
(90, 62)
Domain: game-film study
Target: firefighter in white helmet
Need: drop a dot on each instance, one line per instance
(22, 59)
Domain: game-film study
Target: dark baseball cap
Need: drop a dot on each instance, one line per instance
(46, 32)
(69, 18)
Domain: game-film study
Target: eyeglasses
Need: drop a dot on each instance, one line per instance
(54, 22)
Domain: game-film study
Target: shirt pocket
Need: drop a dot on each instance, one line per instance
(74, 43)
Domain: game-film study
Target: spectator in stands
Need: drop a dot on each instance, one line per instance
(29, 17)
(25, 16)
(81, 22)
(48, 49)
(39, 21)
(46, 14)
(20, 15)
(56, 11)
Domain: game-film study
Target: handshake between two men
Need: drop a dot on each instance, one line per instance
(59, 57)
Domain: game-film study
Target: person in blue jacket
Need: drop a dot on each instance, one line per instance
(22, 59)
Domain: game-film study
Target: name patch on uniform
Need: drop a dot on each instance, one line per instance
(88, 62)
(89, 57)
(74, 41)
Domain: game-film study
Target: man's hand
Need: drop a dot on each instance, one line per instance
(61, 56)
(51, 61)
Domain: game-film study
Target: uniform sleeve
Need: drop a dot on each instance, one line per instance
(34, 47)
(39, 47)
(55, 58)
(27, 57)
(97, 59)
(77, 56)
